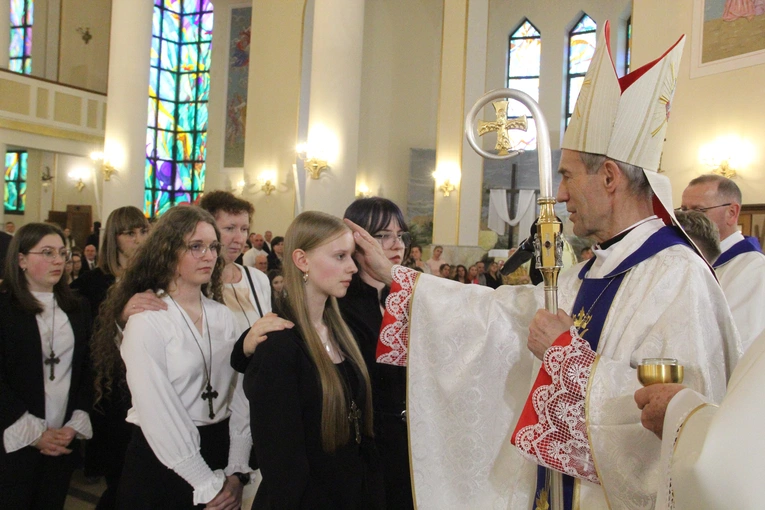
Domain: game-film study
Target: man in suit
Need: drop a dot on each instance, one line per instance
(89, 262)
(267, 241)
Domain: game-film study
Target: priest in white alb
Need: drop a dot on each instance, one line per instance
(712, 457)
(487, 367)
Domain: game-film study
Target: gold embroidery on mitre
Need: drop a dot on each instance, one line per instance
(542, 503)
(665, 99)
(581, 320)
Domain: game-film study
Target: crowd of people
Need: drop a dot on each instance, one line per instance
(206, 366)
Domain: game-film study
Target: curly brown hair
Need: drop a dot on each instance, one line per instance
(154, 268)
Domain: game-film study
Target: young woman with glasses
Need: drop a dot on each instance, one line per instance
(191, 441)
(126, 229)
(45, 384)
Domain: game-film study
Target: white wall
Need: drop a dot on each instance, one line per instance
(399, 95)
(85, 65)
(730, 103)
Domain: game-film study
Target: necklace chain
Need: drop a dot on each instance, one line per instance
(208, 393)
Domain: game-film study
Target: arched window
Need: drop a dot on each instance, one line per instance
(20, 51)
(179, 85)
(523, 62)
(581, 48)
(15, 199)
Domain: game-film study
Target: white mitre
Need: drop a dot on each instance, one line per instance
(626, 118)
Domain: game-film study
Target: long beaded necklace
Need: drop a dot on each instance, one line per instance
(354, 413)
(209, 393)
(52, 360)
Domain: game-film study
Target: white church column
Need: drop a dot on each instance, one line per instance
(471, 184)
(333, 119)
(273, 102)
(446, 209)
(125, 138)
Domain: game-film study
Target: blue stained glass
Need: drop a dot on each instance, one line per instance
(190, 6)
(186, 87)
(165, 142)
(202, 117)
(11, 166)
(176, 151)
(153, 74)
(16, 65)
(206, 28)
(199, 176)
(575, 85)
(171, 24)
(183, 198)
(529, 86)
(154, 54)
(169, 53)
(173, 5)
(581, 51)
(28, 42)
(17, 42)
(186, 116)
(23, 162)
(190, 28)
(205, 56)
(184, 144)
(30, 12)
(148, 200)
(17, 12)
(586, 24)
(166, 119)
(183, 177)
(167, 85)
(200, 147)
(189, 57)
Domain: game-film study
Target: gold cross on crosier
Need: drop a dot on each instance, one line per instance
(502, 125)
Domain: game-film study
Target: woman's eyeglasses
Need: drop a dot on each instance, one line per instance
(198, 250)
(50, 254)
(388, 239)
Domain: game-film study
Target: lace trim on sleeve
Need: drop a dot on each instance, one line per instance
(553, 431)
(393, 346)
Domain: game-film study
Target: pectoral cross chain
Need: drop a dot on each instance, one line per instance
(52, 361)
(209, 394)
(354, 417)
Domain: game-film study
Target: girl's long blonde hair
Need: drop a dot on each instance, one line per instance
(310, 230)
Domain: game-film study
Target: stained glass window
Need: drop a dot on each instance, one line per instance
(179, 85)
(628, 47)
(581, 48)
(523, 62)
(15, 199)
(20, 52)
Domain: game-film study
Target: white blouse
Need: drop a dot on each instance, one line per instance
(240, 299)
(28, 428)
(166, 376)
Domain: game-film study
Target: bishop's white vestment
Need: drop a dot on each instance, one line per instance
(715, 457)
(470, 374)
(741, 271)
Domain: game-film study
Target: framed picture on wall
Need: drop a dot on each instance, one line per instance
(751, 221)
(727, 35)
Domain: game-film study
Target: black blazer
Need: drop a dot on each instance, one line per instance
(5, 242)
(22, 386)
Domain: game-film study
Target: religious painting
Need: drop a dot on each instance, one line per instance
(727, 35)
(236, 96)
(420, 202)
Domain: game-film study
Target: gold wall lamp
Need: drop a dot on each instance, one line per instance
(726, 155)
(447, 177)
(107, 168)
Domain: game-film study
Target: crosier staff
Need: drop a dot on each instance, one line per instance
(548, 241)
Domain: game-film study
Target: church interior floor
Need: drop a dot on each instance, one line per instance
(83, 494)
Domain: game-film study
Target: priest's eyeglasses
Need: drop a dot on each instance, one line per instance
(700, 209)
(50, 254)
(388, 239)
(198, 250)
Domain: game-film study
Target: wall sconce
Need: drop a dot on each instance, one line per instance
(268, 179)
(362, 191)
(107, 168)
(79, 175)
(312, 163)
(726, 154)
(447, 178)
(46, 178)
(85, 33)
